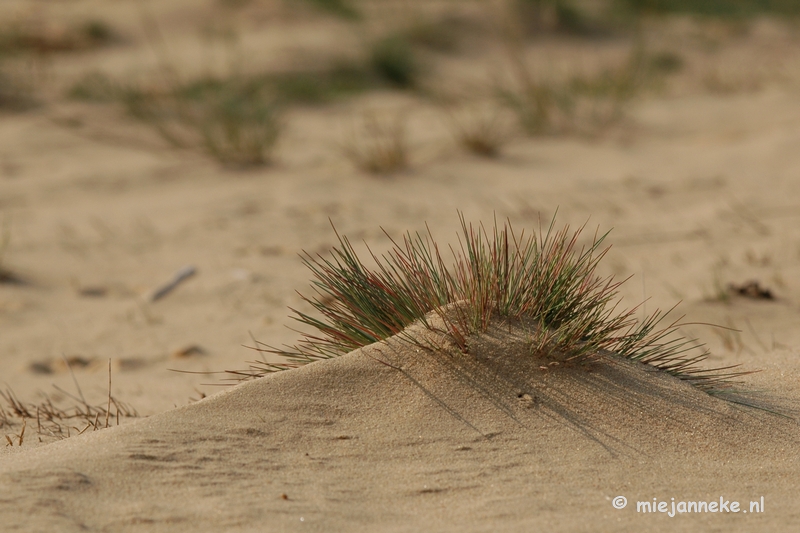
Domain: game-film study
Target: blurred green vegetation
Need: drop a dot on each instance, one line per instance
(583, 104)
(13, 95)
(17, 87)
(443, 35)
(562, 16)
(393, 60)
(234, 120)
(582, 18)
(237, 118)
(341, 80)
(25, 47)
(341, 8)
(721, 8)
(290, 88)
(19, 38)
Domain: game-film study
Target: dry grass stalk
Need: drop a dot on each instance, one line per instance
(56, 422)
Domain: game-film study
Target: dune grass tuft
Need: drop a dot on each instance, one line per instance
(544, 281)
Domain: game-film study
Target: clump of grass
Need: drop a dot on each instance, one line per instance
(342, 79)
(666, 62)
(393, 59)
(237, 128)
(340, 8)
(583, 104)
(289, 88)
(380, 147)
(17, 87)
(237, 119)
(715, 8)
(483, 132)
(25, 46)
(720, 292)
(98, 33)
(42, 38)
(543, 279)
(56, 422)
(562, 16)
(619, 84)
(442, 35)
(534, 101)
(12, 97)
(94, 86)
(234, 120)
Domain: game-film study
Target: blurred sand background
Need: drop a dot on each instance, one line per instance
(680, 132)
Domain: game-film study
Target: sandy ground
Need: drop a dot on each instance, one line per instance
(392, 438)
(700, 185)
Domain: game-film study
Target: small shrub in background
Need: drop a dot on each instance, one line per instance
(16, 90)
(380, 146)
(340, 8)
(584, 103)
(442, 35)
(666, 63)
(393, 59)
(714, 8)
(41, 38)
(237, 128)
(344, 78)
(236, 121)
(559, 16)
(94, 87)
(482, 131)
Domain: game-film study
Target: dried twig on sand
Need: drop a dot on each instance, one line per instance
(181, 275)
(56, 422)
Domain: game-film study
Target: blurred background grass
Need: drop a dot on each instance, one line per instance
(236, 115)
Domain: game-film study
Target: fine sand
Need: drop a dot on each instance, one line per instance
(396, 438)
(699, 182)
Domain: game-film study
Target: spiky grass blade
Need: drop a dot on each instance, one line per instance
(545, 279)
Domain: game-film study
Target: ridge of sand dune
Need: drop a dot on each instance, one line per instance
(393, 437)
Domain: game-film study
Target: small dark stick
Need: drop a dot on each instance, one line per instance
(182, 274)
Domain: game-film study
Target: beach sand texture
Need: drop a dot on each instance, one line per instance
(395, 438)
(699, 183)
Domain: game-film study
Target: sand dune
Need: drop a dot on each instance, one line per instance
(698, 179)
(393, 437)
